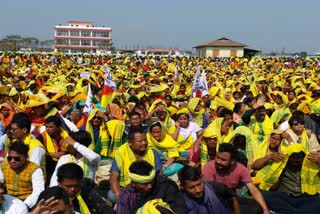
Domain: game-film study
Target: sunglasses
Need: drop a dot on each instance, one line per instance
(16, 159)
(295, 123)
(96, 118)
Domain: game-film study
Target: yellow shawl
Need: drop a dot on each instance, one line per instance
(167, 144)
(310, 179)
(198, 116)
(52, 147)
(124, 157)
(89, 128)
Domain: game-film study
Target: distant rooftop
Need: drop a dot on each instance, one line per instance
(222, 42)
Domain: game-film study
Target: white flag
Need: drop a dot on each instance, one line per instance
(196, 83)
(203, 81)
(88, 107)
(176, 77)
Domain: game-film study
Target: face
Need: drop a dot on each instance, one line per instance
(38, 110)
(71, 186)
(52, 129)
(63, 99)
(260, 114)
(211, 142)
(162, 114)
(297, 126)
(275, 141)
(182, 89)
(74, 117)
(96, 121)
(16, 160)
(205, 98)
(223, 161)
(145, 189)
(225, 127)
(156, 133)
(195, 189)
(168, 101)
(198, 108)
(291, 95)
(278, 100)
(135, 120)
(18, 133)
(183, 120)
(141, 112)
(5, 112)
(139, 144)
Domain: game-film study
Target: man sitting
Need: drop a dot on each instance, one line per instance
(136, 149)
(233, 174)
(205, 196)
(83, 196)
(292, 185)
(11, 205)
(147, 185)
(23, 178)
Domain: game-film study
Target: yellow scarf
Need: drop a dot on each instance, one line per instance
(261, 129)
(151, 207)
(310, 180)
(52, 147)
(85, 165)
(89, 129)
(216, 125)
(110, 143)
(198, 116)
(82, 204)
(167, 144)
(209, 132)
(125, 157)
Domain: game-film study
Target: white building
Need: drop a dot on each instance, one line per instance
(82, 37)
(222, 47)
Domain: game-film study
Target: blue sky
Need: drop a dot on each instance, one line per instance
(272, 25)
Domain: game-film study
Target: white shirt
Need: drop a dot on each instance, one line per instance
(37, 180)
(12, 205)
(92, 157)
(37, 155)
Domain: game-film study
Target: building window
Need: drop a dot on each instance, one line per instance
(74, 42)
(62, 33)
(74, 33)
(100, 34)
(85, 33)
(61, 42)
(85, 42)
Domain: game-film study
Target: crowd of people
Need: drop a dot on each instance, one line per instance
(248, 142)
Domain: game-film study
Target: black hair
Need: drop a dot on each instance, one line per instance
(298, 155)
(169, 96)
(33, 86)
(132, 134)
(186, 114)
(54, 119)
(57, 192)
(224, 112)
(140, 167)
(19, 147)
(297, 118)
(237, 107)
(189, 173)
(157, 124)
(229, 148)
(82, 137)
(22, 120)
(294, 106)
(69, 171)
(133, 113)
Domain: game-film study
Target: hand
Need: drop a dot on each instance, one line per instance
(266, 211)
(177, 125)
(70, 141)
(45, 205)
(101, 115)
(314, 157)
(56, 155)
(286, 136)
(276, 156)
(260, 102)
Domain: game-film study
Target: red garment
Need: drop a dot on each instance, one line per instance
(236, 175)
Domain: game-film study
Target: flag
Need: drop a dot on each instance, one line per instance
(109, 87)
(196, 90)
(176, 77)
(88, 107)
(203, 81)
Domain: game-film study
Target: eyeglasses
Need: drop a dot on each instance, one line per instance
(14, 129)
(295, 123)
(16, 159)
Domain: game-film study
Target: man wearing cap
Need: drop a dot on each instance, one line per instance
(147, 185)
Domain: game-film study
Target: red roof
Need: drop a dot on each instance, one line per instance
(222, 42)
